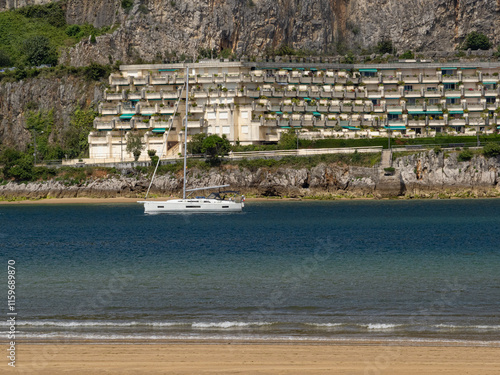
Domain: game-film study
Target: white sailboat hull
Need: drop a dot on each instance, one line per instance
(192, 206)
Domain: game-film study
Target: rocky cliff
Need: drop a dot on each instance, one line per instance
(421, 175)
(156, 29)
(63, 95)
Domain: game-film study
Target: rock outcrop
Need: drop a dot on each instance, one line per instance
(157, 29)
(62, 95)
(424, 175)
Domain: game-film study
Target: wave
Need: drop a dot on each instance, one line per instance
(381, 326)
(229, 324)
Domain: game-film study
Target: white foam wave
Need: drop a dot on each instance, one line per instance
(472, 327)
(381, 326)
(226, 325)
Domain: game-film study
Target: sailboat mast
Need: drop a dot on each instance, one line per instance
(185, 133)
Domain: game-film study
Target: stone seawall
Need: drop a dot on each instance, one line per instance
(423, 175)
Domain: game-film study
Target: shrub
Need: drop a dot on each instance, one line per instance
(384, 46)
(491, 150)
(476, 40)
(465, 155)
(407, 55)
(127, 5)
(38, 51)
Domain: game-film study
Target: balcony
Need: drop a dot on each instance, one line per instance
(450, 79)
(287, 107)
(432, 93)
(166, 110)
(437, 122)
(296, 121)
(416, 123)
(159, 80)
(330, 123)
(308, 120)
(412, 93)
(350, 94)
(194, 123)
(109, 110)
(170, 95)
(299, 108)
(257, 78)
(232, 78)
(475, 107)
(275, 107)
(430, 79)
(103, 124)
(306, 79)
(345, 108)
(270, 121)
(358, 108)
(338, 94)
(283, 122)
(148, 110)
(318, 80)
(456, 122)
(294, 79)
(329, 79)
(471, 93)
(277, 93)
(205, 79)
(453, 93)
(411, 79)
(114, 96)
(140, 81)
(134, 95)
(334, 108)
(123, 125)
(253, 93)
(291, 93)
(247, 78)
(370, 80)
(119, 81)
(196, 109)
(474, 78)
(374, 94)
(153, 95)
(269, 78)
(390, 79)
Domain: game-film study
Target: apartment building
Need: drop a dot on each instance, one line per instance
(254, 102)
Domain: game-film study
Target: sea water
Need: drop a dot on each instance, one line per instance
(343, 270)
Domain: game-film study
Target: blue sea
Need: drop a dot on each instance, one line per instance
(424, 270)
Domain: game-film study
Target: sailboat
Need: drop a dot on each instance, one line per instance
(216, 202)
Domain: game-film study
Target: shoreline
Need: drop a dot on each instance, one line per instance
(88, 200)
(273, 358)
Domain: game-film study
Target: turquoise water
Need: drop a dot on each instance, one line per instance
(413, 270)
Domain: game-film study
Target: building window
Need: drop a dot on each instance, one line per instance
(408, 87)
(244, 114)
(223, 116)
(449, 86)
(244, 129)
(226, 130)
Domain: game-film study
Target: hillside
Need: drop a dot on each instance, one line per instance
(161, 29)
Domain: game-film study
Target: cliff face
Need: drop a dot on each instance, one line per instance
(153, 29)
(422, 175)
(63, 95)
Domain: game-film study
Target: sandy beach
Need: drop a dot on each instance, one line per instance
(253, 358)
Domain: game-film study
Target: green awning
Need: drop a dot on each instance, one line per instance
(301, 69)
(456, 111)
(434, 112)
(127, 116)
(134, 100)
(467, 68)
(395, 112)
(286, 69)
(279, 112)
(368, 70)
(167, 70)
(498, 127)
(313, 69)
(490, 83)
(456, 125)
(453, 97)
(316, 114)
(416, 112)
(285, 127)
(448, 68)
(307, 99)
(159, 130)
(395, 127)
(147, 114)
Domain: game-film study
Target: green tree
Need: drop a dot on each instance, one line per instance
(288, 140)
(4, 59)
(37, 51)
(476, 40)
(384, 46)
(134, 145)
(96, 71)
(75, 139)
(215, 147)
(17, 165)
(195, 145)
(407, 55)
(491, 150)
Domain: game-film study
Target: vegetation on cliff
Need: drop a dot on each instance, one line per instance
(35, 35)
